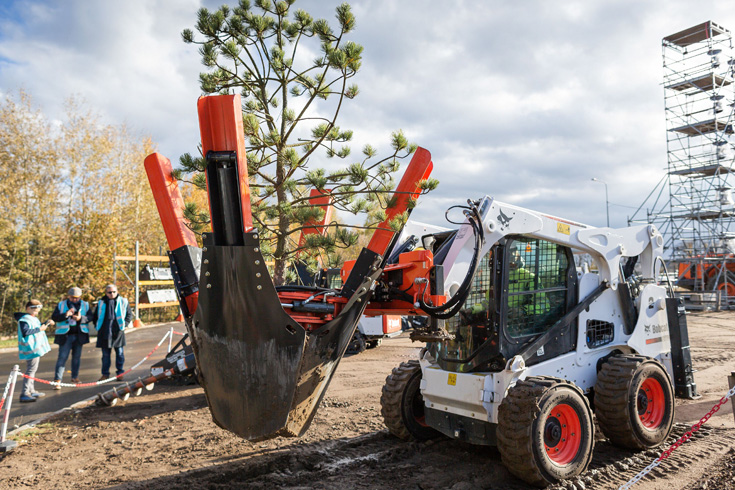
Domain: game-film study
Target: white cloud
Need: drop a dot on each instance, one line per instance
(525, 101)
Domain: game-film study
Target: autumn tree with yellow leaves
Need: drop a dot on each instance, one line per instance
(70, 192)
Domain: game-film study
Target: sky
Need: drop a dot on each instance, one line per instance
(524, 101)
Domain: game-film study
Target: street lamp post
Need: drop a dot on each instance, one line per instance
(607, 202)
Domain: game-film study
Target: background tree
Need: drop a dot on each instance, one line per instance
(69, 193)
(265, 53)
(29, 176)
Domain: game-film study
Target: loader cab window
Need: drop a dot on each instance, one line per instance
(537, 275)
(475, 322)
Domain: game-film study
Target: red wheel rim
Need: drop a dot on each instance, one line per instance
(562, 434)
(651, 403)
(728, 288)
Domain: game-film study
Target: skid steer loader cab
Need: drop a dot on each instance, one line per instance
(522, 287)
(534, 347)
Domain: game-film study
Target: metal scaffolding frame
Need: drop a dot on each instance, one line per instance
(697, 217)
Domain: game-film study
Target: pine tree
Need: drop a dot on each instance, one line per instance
(291, 103)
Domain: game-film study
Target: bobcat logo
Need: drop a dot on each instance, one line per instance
(503, 219)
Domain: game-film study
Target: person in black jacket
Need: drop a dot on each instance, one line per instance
(71, 317)
(110, 318)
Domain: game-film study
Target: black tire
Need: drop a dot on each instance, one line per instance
(545, 430)
(634, 401)
(402, 405)
(357, 344)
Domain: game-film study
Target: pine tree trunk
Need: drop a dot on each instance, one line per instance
(279, 269)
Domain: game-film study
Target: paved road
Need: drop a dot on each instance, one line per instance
(140, 342)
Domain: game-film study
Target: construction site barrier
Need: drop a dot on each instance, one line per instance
(9, 386)
(5, 445)
(680, 441)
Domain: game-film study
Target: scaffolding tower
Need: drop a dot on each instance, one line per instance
(697, 217)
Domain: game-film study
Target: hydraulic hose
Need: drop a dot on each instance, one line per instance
(455, 303)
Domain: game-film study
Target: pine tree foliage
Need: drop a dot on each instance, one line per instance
(291, 103)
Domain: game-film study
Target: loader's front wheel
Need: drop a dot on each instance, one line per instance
(402, 405)
(545, 430)
(634, 401)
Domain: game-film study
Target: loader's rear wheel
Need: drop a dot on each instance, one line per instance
(545, 430)
(402, 405)
(634, 401)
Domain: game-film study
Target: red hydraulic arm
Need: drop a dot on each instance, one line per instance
(413, 268)
(419, 169)
(221, 128)
(180, 238)
(169, 202)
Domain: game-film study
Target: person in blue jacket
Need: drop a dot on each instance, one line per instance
(72, 333)
(32, 344)
(110, 318)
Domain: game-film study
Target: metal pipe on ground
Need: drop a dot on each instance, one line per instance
(110, 398)
(180, 362)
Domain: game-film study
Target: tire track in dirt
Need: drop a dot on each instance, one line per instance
(378, 460)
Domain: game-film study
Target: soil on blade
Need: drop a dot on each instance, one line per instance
(166, 439)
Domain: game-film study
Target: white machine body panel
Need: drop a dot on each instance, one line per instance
(380, 326)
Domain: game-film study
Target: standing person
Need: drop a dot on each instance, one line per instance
(32, 344)
(110, 318)
(72, 333)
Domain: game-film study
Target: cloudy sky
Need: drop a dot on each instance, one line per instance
(523, 100)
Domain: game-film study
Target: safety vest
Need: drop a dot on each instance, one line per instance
(63, 326)
(121, 307)
(521, 280)
(34, 345)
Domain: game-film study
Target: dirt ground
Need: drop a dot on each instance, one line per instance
(165, 439)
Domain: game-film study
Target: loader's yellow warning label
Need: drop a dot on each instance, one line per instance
(562, 228)
(452, 379)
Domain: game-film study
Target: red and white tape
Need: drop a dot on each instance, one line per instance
(109, 380)
(680, 441)
(7, 388)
